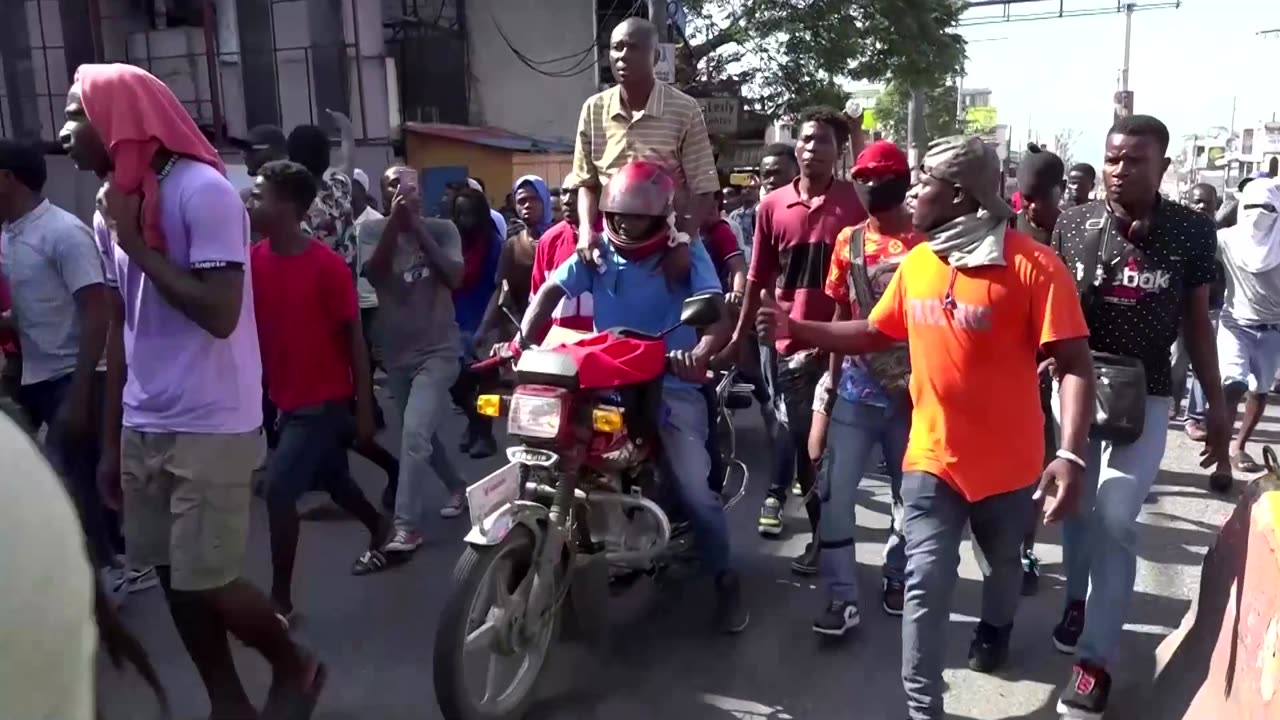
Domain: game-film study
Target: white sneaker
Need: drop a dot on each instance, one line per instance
(454, 507)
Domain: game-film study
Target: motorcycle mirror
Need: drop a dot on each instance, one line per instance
(701, 311)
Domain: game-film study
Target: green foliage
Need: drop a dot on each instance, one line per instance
(939, 112)
(789, 54)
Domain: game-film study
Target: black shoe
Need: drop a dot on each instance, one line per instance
(893, 599)
(990, 647)
(807, 562)
(1086, 695)
(468, 439)
(483, 447)
(1030, 574)
(837, 619)
(1066, 634)
(731, 615)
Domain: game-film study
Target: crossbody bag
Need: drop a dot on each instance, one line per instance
(1120, 382)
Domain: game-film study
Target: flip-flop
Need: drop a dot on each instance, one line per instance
(1245, 464)
(291, 704)
(370, 562)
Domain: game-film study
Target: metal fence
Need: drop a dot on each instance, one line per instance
(285, 63)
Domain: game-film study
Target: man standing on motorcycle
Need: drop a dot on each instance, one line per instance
(630, 290)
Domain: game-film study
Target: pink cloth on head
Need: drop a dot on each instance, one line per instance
(136, 114)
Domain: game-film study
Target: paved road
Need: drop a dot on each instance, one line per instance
(376, 633)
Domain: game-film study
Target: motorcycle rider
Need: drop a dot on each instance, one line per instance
(630, 290)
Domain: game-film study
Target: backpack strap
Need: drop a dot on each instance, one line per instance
(859, 280)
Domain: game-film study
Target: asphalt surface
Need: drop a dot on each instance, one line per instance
(662, 659)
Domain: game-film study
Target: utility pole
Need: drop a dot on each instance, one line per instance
(1128, 39)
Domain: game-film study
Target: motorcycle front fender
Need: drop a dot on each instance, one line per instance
(494, 529)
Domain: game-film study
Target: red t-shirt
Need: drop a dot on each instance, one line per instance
(303, 304)
(722, 245)
(792, 248)
(555, 247)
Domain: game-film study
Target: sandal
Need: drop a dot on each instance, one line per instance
(371, 561)
(1245, 464)
(293, 704)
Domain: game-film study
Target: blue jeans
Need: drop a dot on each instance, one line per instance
(422, 398)
(1181, 363)
(686, 463)
(934, 519)
(792, 393)
(856, 429)
(1099, 543)
(76, 460)
(312, 456)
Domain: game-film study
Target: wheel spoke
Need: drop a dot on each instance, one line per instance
(482, 637)
(491, 680)
(501, 595)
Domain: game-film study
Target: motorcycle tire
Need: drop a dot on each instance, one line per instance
(449, 675)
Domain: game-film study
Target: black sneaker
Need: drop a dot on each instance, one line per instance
(806, 563)
(770, 522)
(1030, 574)
(1066, 635)
(1086, 695)
(894, 597)
(837, 619)
(484, 446)
(990, 647)
(731, 615)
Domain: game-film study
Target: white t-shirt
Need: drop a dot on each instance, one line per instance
(368, 296)
(47, 633)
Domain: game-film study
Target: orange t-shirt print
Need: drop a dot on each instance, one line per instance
(976, 420)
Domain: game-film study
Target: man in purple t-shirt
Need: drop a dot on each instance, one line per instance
(184, 380)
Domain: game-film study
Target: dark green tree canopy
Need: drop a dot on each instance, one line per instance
(790, 54)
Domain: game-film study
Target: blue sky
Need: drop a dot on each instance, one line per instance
(1186, 65)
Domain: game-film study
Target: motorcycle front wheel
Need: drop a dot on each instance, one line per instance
(479, 631)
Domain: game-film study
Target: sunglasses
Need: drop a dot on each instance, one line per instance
(1264, 207)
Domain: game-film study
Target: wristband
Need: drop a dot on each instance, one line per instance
(1071, 457)
(678, 239)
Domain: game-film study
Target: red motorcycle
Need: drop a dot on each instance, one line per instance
(574, 513)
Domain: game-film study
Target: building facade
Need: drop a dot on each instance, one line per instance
(236, 64)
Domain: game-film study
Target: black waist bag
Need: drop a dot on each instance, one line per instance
(1120, 383)
(1120, 387)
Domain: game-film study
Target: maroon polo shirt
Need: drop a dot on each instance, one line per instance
(792, 247)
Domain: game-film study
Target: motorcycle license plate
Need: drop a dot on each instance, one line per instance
(489, 495)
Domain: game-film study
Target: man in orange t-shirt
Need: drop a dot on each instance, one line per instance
(975, 302)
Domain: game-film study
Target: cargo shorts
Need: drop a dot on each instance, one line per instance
(186, 502)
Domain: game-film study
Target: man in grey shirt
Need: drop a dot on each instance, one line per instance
(414, 264)
(1249, 333)
(54, 272)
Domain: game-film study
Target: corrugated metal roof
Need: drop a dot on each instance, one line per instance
(488, 136)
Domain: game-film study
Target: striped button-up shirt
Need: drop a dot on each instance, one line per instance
(670, 131)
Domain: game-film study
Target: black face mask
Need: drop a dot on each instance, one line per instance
(883, 195)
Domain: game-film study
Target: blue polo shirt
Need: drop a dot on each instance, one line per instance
(636, 294)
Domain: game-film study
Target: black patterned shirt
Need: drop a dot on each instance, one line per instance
(1140, 303)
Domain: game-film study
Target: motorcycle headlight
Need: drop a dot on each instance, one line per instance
(534, 416)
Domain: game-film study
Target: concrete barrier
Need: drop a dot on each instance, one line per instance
(1223, 662)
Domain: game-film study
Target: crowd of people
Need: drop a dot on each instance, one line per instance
(193, 328)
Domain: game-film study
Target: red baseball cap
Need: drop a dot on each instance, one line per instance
(881, 158)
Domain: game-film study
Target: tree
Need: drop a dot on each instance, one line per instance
(788, 55)
(939, 111)
(1064, 146)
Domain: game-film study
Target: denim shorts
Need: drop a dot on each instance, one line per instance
(312, 452)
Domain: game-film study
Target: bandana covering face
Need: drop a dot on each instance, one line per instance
(1255, 240)
(136, 115)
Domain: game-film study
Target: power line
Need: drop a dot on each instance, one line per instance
(1060, 13)
(582, 60)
